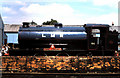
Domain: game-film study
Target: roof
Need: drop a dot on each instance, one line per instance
(96, 25)
(15, 27)
(11, 28)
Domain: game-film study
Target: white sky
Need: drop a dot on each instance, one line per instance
(68, 12)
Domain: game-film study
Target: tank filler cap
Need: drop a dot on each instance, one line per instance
(25, 24)
(58, 25)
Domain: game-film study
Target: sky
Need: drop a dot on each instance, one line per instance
(67, 12)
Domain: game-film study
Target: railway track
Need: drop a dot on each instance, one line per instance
(60, 75)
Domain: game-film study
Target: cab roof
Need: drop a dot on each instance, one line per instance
(96, 25)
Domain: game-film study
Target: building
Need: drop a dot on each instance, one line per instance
(12, 32)
(3, 36)
(1, 31)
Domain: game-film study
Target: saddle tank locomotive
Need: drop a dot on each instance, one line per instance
(89, 39)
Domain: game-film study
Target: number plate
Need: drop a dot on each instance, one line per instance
(55, 49)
